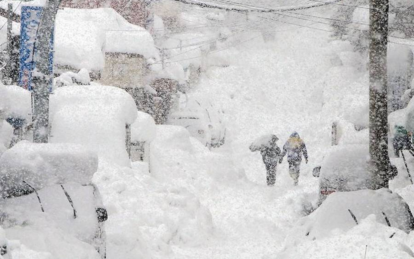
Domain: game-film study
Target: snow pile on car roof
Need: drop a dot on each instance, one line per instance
(334, 211)
(346, 167)
(369, 237)
(94, 116)
(29, 166)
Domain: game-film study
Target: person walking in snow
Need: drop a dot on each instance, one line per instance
(270, 153)
(294, 148)
(401, 140)
(270, 156)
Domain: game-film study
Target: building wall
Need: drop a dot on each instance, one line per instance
(124, 70)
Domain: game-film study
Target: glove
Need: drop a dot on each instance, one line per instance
(280, 161)
(306, 160)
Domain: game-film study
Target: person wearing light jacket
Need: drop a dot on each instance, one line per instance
(295, 148)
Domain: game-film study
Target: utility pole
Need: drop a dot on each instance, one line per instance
(378, 121)
(42, 75)
(8, 68)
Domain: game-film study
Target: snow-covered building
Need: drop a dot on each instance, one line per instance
(126, 55)
(81, 36)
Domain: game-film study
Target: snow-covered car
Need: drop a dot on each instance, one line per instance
(344, 210)
(352, 222)
(202, 120)
(44, 186)
(344, 169)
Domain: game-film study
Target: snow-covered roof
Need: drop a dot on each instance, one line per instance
(334, 214)
(81, 35)
(137, 41)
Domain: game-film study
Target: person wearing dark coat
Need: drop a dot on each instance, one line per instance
(294, 148)
(270, 155)
(401, 140)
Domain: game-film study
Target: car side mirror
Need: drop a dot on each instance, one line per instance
(316, 171)
(102, 214)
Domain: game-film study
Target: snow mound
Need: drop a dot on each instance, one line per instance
(143, 129)
(183, 160)
(147, 216)
(41, 165)
(15, 101)
(346, 168)
(94, 116)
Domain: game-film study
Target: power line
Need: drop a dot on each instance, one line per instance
(319, 29)
(260, 10)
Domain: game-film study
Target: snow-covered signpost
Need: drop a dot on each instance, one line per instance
(42, 75)
(378, 121)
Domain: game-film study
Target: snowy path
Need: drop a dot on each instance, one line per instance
(268, 90)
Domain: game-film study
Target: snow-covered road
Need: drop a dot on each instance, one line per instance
(269, 89)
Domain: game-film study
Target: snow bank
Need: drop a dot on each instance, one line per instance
(143, 129)
(47, 242)
(177, 157)
(41, 165)
(94, 116)
(147, 217)
(6, 135)
(347, 133)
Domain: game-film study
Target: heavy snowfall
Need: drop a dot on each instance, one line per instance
(139, 129)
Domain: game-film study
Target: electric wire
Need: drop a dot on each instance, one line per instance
(260, 10)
